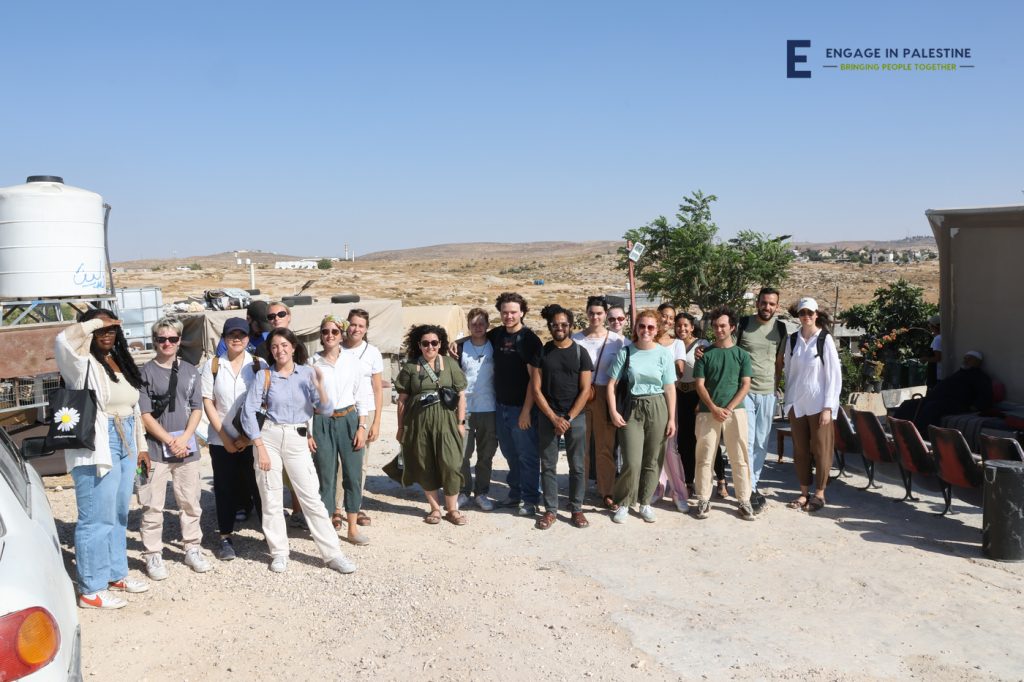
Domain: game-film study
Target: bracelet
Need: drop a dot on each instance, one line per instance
(360, 426)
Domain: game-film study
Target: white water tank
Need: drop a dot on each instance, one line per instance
(52, 241)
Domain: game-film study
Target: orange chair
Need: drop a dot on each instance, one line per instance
(958, 466)
(875, 446)
(993, 447)
(915, 455)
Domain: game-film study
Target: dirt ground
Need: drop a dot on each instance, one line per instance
(864, 590)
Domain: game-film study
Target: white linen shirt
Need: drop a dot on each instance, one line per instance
(228, 391)
(811, 386)
(593, 348)
(343, 381)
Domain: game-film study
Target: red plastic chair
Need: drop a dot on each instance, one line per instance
(915, 455)
(993, 447)
(875, 445)
(958, 466)
(845, 440)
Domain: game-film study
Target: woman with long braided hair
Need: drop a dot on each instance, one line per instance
(93, 353)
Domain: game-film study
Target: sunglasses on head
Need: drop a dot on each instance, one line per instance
(168, 339)
(279, 314)
(431, 343)
(329, 331)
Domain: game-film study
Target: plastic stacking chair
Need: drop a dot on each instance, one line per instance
(993, 447)
(958, 466)
(875, 446)
(845, 440)
(915, 455)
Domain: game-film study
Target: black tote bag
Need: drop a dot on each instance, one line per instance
(73, 421)
(623, 398)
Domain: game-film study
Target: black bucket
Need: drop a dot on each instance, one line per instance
(1002, 530)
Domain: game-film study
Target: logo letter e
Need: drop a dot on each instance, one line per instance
(792, 59)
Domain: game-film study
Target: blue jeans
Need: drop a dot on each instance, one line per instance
(101, 552)
(521, 451)
(760, 409)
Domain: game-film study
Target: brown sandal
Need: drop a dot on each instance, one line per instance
(433, 517)
(797, 504)
(336, 521)
(609, 503)
(546, 520)
(456, 517)
(363, 520)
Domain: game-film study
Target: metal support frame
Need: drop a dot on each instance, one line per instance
(13, 313)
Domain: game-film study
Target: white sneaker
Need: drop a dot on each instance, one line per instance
(463, 500)
(130, 585)
(195, 560)
(647, 513)
(341, 564)
(101, 600)
(621, 514)
(484, 503)
(155, 568)
(279, 564)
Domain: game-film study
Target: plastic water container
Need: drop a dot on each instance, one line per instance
(52, 242)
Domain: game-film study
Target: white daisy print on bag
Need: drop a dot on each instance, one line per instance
(67, 418)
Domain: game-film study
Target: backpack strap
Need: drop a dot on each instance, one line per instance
(740, 327)
(820, 344)
(214, 366)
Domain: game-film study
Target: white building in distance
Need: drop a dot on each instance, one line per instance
(295, 265)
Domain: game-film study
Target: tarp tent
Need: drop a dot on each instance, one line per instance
(448, 316)
(202, 330)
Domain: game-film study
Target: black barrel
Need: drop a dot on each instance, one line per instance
(297, 300)
(345, 298)
(1002, 530)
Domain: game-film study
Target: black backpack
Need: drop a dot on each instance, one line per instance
(820, 344)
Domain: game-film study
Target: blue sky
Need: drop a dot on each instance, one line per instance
(299, 127)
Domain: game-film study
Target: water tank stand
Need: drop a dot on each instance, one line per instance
(48, 309)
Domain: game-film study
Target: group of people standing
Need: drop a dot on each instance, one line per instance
(648, 413)
(276, 417)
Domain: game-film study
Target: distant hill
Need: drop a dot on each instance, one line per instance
(905, 244)
(497, 250)
(221, 260)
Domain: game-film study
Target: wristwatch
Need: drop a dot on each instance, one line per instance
(360, 426)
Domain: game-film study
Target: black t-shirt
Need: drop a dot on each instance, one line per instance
(560, 374)
(512, 353)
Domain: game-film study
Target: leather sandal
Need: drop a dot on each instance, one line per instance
(336, 521)
(545, 521)
(456, 518)
(798, 504)
(579, 520)
(433, 517)
(815, 504)
(363, 520)
(609, 503)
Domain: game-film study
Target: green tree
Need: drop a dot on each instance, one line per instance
(195, 266)
(687, 264)
(324, 264)
(899, 305)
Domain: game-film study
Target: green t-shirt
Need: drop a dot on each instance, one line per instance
(722, 370)
(763, 342)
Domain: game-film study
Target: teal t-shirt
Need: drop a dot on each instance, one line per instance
(649, 370)
(722, 370)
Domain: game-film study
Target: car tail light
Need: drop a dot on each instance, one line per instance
(29, 639)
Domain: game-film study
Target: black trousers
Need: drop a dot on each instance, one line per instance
(234, 485)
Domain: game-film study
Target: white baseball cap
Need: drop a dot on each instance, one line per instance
(807, 303)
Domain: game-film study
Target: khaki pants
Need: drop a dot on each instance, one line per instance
(812, 443)
(184, 478)
(734, 431)
(600, 432)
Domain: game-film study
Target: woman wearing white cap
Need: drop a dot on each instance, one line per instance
(813, 383)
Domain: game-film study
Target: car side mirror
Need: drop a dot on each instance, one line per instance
(31, 448)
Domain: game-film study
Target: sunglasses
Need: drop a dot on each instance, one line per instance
(558, 325)
(617, 319)
(279, 314)
(167, 339)
(105, 331)
(330, 332)
(430, 344)
(805, 313)
(647, 327)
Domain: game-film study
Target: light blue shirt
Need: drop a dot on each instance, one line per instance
(291, 400)
(649, 370)
(477, 363)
